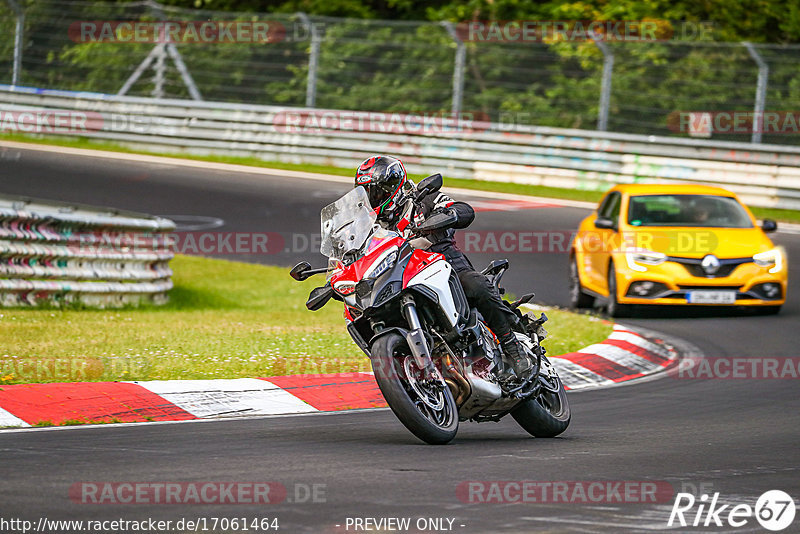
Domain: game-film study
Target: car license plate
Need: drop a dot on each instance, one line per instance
(711, 297)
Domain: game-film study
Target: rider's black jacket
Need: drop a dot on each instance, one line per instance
(442, 241)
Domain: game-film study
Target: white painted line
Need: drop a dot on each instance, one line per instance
(231, 397)
(164, 160)
(278, 173)
(184, 422)
(8, 419)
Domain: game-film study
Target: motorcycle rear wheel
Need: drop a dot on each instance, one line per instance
(428, 411)
(545, 416)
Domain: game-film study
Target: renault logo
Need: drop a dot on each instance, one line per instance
(710, 264)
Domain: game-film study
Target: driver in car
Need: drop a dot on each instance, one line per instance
(391, 195)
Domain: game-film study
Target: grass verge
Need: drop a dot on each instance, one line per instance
(224, 320)
(478, 185)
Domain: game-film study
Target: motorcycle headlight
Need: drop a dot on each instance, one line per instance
(344, 288)
(772, 258)
(381, 266)
(638, 258)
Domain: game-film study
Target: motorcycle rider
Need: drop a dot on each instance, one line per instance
(391, 195)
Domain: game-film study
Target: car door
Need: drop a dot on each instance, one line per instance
(603, 240)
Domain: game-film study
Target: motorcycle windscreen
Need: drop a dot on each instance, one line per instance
(346, 224)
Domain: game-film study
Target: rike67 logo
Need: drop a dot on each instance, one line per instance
(774, 510)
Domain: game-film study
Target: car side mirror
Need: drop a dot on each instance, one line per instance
(603, 223)
(319, 297)
(300, 271)
(429, 185)
(768, 225)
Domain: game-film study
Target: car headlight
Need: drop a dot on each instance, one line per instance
(639, 258)
(771, 258)
(381, 266)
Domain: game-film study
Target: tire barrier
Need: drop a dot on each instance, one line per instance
(62, 254)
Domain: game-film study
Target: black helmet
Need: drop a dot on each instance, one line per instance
(384, 178)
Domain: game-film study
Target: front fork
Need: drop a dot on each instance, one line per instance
(416, 339)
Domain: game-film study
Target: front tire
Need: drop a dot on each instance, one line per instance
(614, 308)
(545, 416)
(406, 395)
(577, 298)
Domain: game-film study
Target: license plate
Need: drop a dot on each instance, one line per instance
(711, 297)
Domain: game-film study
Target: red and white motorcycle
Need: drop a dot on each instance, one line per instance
(434, 358)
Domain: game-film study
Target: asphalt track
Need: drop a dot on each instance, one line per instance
(736, 437)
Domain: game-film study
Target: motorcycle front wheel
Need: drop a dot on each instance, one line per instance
(425, 407)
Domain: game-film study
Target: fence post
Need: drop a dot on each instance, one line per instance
(313, 61)
(160, 69)
(20, 28)
(605, 88)
(458, 68)
(761, 92)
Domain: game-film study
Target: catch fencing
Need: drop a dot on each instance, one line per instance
(628, 86)
(764, 175)
(64, 254)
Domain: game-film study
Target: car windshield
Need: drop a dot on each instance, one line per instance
(687, 210)
(346, 224)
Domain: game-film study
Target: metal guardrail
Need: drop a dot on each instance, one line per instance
(59, 253)
(764, 175)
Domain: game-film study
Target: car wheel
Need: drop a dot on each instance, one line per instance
(769, 310)
(577, 297)
(614, 308)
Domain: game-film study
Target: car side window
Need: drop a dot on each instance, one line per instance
(610, 207)
(604, 204)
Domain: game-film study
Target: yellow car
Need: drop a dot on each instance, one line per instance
(675, 244)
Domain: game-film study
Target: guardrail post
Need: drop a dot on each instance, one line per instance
(458, 68)
(18, 31)
(605, 88)
(313, 60)
(761, 92)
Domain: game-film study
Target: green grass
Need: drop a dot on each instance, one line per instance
(479, 185)
(77, 422)
(224, 320)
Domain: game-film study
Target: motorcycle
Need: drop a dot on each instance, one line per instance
(435, 360)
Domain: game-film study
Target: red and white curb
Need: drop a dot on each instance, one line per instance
(625, 356)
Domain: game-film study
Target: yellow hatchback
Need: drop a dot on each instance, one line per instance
(675, 244)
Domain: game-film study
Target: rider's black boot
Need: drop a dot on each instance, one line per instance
(515, 354)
